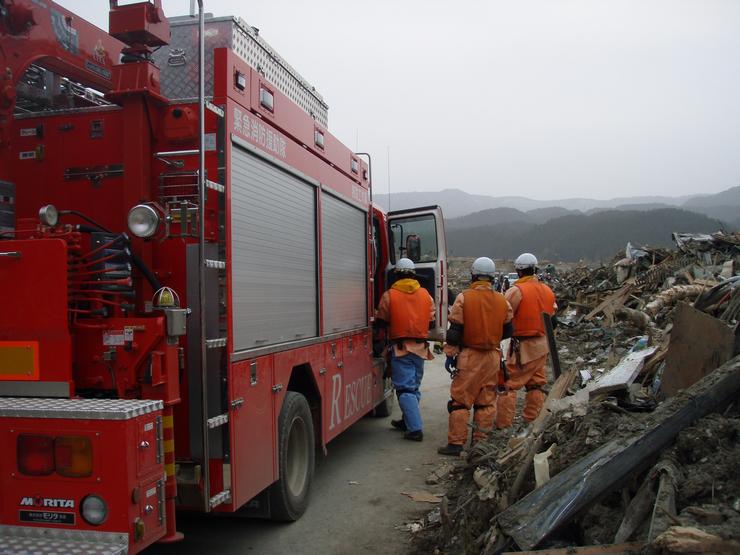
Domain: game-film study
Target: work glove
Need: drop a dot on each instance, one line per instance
(451, 366)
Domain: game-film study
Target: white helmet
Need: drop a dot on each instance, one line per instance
(483, 266)
(525, 260)
(405, 266)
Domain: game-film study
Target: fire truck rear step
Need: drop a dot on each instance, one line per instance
(54, 541)
(217, 421)
(220, 498)
(215, 186)
(216, 343)
(215, 109)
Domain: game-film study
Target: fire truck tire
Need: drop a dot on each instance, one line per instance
(385, 408)
(296, 457)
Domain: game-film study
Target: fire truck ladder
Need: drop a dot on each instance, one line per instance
(207, 340)
(214, 339)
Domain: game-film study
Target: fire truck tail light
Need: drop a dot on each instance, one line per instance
(73, 456)
(143, 221)
(35, 455)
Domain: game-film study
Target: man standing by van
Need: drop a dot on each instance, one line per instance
(407, 309)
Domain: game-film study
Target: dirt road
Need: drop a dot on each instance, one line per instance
(344, 517)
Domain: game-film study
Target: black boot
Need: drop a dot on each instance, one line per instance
(414, 436)
(450, 449)
(399, 425)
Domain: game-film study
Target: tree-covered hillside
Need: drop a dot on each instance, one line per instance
(594, 237)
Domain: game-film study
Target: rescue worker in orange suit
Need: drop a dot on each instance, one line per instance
(479, 319)
(407, 309)
(528, 348)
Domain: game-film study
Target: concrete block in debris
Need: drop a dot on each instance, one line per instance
(728, 269)
(439, 473)
(624, 373)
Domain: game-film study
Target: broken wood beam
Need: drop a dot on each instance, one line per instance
(637, 510)
(615, 549)
(534, 442)
(685, 539)
(671, 296)
(534, 517)
(612, 302)
(664, 511)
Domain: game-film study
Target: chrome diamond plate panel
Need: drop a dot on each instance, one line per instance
(178, 62)
(27, 540)
(94, 409)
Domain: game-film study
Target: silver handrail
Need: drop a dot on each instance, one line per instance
(202, 252)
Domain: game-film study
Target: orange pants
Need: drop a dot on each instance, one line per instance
(474, 387)
(530, 375)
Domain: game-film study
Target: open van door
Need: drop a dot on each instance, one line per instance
(419, 234)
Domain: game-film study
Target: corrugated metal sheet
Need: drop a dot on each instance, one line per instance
(344, 265)
(273, 266)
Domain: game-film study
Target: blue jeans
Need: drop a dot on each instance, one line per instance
(406, 374)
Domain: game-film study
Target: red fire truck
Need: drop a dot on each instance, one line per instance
(189, 264)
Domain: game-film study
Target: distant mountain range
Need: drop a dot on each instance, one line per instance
(492, 216)
(456, 202)
(569, 229)
(463, 209)
(595, 237)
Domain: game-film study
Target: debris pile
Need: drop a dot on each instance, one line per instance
(637, 447)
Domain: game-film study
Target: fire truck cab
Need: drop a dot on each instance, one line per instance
(189, 267)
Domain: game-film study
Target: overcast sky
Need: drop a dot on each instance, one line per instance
(547, 99)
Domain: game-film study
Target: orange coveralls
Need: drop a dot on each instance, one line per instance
(525, 370)
(474, 386)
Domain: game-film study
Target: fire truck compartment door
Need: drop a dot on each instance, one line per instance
(273, 252)
(344, 265)
(419, 234)
(35, 345)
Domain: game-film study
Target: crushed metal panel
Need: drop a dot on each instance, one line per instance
(699, 344)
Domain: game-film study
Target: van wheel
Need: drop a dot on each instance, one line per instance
(296, 459)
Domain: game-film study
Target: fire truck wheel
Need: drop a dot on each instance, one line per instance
(385, 408)
(289, 495)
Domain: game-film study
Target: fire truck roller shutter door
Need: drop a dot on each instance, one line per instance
(344, 265)
(273, 270)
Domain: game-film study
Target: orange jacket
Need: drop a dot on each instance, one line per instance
(485, 312)
(409, 312)
(536, 299)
